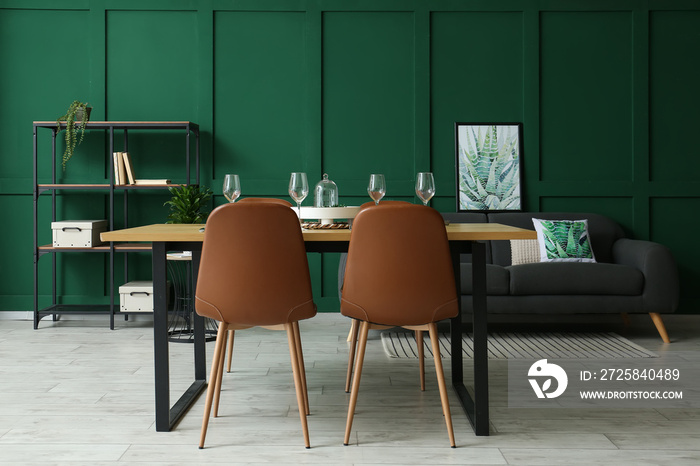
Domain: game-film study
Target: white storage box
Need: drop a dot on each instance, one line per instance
(136, 296)
(77, 233)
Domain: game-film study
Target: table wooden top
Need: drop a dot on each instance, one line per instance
(191, 232)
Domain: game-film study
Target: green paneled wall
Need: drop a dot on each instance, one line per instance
(261, 126)
(368, 98)
(607, 93)
(151, 59)
(38, 80)
(586, 97)
(674, 96)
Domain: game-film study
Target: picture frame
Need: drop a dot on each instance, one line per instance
(488, 166)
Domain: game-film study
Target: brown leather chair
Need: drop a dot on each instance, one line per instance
(399, 273)
(231, 333)
(355, 327)
(254, 273)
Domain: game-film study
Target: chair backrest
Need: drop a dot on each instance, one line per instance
(399, 270)
(272, 200)
(253, 269)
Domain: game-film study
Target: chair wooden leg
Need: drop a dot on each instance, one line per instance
(302, 369)
(660, 327)
(218, 349)
(364, 331)
(352, 338)
(353, 329)
(432, 328)
(220, 376)
(421, 356)
(231, 335)
(294, 357)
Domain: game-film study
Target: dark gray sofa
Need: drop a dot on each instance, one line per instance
(629, 276)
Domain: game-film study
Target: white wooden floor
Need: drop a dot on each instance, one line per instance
(75, 393)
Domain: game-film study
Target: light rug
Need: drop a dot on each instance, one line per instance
(530, 345)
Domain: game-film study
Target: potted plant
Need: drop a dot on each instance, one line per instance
(187, 203)
(77, 112)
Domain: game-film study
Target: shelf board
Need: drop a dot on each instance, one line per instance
(44, 187)
(50, 248)
(74, 309)
(85, 309)
(147, 186)
(126, 247)
(126, 124)
(120, 247)
(73, 186)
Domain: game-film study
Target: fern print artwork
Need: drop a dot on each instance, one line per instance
(488, 164)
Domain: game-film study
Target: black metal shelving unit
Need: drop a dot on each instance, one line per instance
(111, 309)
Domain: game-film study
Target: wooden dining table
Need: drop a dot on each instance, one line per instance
(463, 238)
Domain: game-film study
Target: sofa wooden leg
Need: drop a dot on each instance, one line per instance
(660, 327)
(625, 319)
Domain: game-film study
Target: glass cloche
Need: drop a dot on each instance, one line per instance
(326, 193)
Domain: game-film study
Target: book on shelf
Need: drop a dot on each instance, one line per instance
(159, 182)
(116, 156)
(124, 173)
(128, 168)
(122, 169)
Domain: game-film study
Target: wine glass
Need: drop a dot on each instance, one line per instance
(232, 187)
(425, 186)
(298, 188)
(377, 187)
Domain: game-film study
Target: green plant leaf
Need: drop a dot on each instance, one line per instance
(566, 239)
(71, 135)
(186, 204)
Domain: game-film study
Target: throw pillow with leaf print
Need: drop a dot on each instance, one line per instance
(563, 240)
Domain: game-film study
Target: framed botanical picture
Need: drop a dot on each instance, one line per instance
(488, 166)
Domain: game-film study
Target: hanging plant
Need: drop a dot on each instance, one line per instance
(77, 112)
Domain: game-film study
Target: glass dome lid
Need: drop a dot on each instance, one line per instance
(326, 193)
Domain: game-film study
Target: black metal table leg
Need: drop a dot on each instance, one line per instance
(200, 362)
(160, 339)
(166, 418)
(476, 409)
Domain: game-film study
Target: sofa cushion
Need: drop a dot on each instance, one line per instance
(575, 278)
(524, 251)
(563, 240)
(556, 305)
